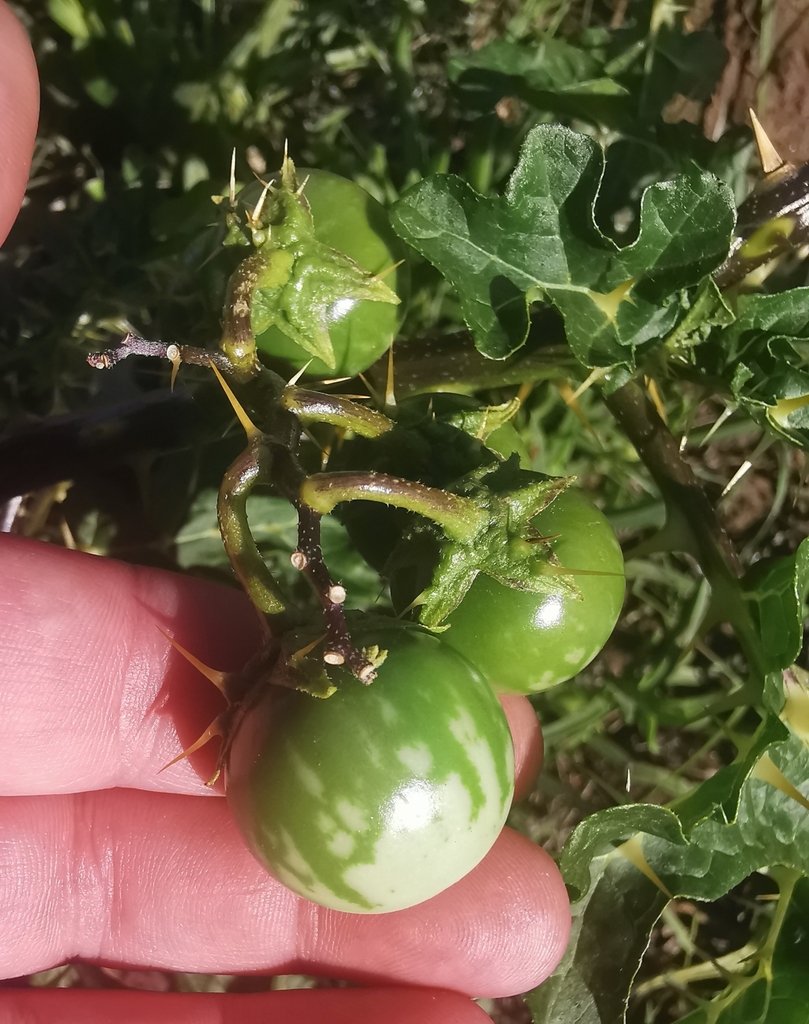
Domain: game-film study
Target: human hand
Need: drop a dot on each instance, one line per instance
(154, 873)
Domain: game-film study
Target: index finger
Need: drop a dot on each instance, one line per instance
(93, 696)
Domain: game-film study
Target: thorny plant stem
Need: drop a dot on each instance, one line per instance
(314, 407)
(339, 648)
(134, 345)
(251, 467)
(689, 513)
(460, 518)
(271, 458)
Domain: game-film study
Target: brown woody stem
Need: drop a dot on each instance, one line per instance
(134, 345)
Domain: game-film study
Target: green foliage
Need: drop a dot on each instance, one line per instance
(775, 992)
(561, 264)
(540, 241)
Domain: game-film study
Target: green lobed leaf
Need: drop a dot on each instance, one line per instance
(540, 241)
(718, 797)
(552, 66)
(604, 828)
(699, 849)
(762, 358)
(776, 594)
(609, 934)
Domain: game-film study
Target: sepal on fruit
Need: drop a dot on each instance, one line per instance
(300, 283)
(505, 546)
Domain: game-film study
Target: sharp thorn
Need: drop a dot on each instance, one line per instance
(388, 270)
(376, 398)
(213, 730)
(390, 395)
(771, 159)
(249, 427)
(232, 192)
(216, 677)
(293, 380)
(173, 356)
(255, 216)
(298, 656)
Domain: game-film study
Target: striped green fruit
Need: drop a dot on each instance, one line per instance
(380, 796)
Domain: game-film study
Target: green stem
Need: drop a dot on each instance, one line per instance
(238, 342)
(250, 468)
(452, 361)
(313, 407)
(461, 519)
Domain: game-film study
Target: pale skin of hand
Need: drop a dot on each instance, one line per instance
(154, 873)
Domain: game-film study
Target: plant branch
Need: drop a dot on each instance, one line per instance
(691, 522)
(460, 518)
(134, 345)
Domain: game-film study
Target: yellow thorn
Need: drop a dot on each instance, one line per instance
(324, 452)
(795, 713)
(249, 427)
(593, 378)
(232, 191)
(726, 413)
(390, 395)
(384, 273)
(745, 467)
(766, 771)
(293, 380)
(571, 400)
(217, 678)
(657, 401)
(609, 302)
(375, 396)
(417, 602)
(298, 656)
(214, 729)
(67, 536)
(255, 216)
(173, 356)
(633, 851)
(771, 159)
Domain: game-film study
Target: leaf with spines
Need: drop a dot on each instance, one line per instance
(540, 241)
(698, 849)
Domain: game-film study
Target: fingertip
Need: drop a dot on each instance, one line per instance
(528, 745)
(19, 110)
